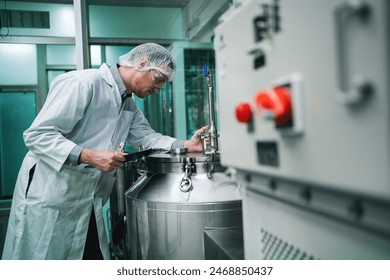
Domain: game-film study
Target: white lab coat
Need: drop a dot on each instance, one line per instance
(50, 215)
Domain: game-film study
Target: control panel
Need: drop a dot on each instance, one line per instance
(303, 92)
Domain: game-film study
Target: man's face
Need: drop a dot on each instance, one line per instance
(149, 82)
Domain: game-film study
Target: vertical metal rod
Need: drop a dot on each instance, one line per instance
(213, 135)
(213, 130)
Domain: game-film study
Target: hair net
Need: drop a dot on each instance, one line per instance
(157, 56)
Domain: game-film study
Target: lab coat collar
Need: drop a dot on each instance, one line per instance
(118, 80)
(108, 76)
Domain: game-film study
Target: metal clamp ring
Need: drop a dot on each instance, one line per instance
(185, 185)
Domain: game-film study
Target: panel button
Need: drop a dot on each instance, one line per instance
(244, 113)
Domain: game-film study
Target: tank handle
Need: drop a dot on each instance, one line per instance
(186, 183)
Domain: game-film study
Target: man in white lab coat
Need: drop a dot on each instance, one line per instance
(68, 174)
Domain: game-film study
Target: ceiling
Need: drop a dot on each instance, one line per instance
(138, 3)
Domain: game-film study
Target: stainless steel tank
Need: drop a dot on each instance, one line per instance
(177, 197)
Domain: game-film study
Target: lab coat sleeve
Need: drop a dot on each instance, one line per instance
(64, 107)
(142, 134)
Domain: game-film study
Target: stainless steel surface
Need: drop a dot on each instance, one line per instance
(164, 222)
(164, 163)
(224, 244)
(179, 151)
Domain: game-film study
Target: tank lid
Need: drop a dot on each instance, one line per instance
(138, 155)
(179, 151)
(179, 157)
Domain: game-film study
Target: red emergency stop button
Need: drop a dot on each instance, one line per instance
(277, 100)
(244, 113)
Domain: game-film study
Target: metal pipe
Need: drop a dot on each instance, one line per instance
(213, 134)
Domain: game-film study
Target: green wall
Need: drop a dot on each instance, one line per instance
(17, 111)
(135, 22)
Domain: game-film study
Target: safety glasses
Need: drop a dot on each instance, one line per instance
(158, 78)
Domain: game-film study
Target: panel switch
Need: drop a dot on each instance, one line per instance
(277, 100)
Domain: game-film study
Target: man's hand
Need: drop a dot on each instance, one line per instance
(195, 143)
(103, 160)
